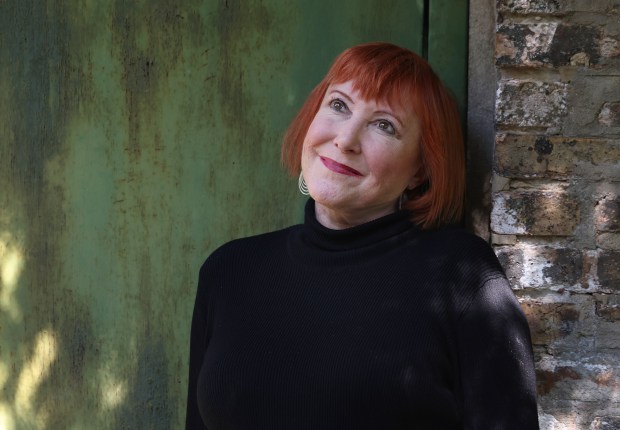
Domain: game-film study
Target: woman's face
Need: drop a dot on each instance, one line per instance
(359, 156)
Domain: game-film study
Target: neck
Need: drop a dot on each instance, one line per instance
(339, 220)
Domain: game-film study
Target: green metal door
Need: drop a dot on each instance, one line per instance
(135, 137)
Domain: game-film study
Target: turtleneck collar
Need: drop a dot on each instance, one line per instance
(314, 242)
(356, 237)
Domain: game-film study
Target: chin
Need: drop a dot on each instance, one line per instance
(324, 193)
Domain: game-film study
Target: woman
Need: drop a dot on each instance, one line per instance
(375, 313)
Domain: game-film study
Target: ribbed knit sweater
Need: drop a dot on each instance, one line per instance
(380, 326)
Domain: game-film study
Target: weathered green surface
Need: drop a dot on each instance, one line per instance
(447, 45)
(135, 137)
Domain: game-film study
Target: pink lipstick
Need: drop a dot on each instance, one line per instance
(334, 166)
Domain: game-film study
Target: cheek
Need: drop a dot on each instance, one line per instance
(383, 163)
(319, 132)
(307, 147)
(390, 167)
(314, 138)
(306, 153)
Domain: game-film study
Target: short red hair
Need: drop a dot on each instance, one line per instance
(398, 76)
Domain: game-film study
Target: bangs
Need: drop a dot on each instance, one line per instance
(401, 79)
(384, 75)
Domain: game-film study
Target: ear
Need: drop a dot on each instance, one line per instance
(417, 179)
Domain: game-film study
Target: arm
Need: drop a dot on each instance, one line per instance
(497, 367)
(198, 343)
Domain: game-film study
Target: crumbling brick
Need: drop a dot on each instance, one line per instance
(545, 213)
(531, 103)
(546, 380)
(550, 322)
(556, 7)
(605, 423)
(609, 312)
(609, 270)
(533, 156)
(607, 213)
(540, 266)
(608, 241)
(511, 259)
(570, 41)
(609, 47)
(557, 113)
(610, 114)
(528, 6)
(548, 44)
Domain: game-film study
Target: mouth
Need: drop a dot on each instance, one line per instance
(343, 169)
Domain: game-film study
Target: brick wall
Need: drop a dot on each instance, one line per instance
(555, 218)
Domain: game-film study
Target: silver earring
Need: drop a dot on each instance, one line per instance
(303, 188)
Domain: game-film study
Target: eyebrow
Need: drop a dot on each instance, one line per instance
(350, 100)
(345, 95)
(393, 115)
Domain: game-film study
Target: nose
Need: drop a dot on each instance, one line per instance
(347, 138)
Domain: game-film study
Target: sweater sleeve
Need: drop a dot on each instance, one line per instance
(497, 366)
(198, 343)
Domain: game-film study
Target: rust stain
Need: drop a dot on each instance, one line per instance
(607, 379)
(145, 63)
(547, 380)
(550, 321)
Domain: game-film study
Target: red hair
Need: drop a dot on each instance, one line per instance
(398, 76)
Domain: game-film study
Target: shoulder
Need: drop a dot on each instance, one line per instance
(247, 247)
(449, 237)
(459, 257)
(458, 244)
(237, 259)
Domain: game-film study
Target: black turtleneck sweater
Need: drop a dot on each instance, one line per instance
(380, 326)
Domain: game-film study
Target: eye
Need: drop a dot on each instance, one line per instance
(338, 105)
(386, 126)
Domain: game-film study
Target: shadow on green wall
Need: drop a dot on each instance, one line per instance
(136, 137)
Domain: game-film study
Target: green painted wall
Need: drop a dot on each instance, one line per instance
(135, 137)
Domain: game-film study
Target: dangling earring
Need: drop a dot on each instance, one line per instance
(303, 188)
